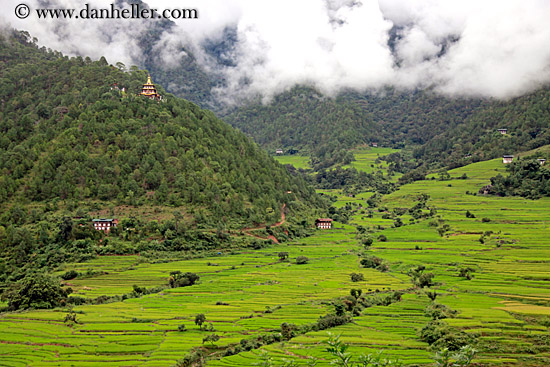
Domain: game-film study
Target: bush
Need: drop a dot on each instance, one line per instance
(179, 279)
(382, 238)
(302, 260)
(373, 262)
(440, 335)
(466, 273)
(71, 274)
(485, 220)
(469, 214)
(366, 242)
(438, 311)
(283, 256)
(288, 331)
(357, 277)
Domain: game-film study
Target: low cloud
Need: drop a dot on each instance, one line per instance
(476, 48)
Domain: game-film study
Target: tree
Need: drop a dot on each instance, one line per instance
(283, 256)
(179, 279)
(212, 338)
(421, 279)
(366, 242)
(34, 291)
(199, 320)
(65, 229)
(356, 293)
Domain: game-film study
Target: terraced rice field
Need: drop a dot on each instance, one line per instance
(505, 304)
(297, 161)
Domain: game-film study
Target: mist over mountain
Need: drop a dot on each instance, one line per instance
(243, 49)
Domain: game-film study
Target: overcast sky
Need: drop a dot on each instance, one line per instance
(493, 48)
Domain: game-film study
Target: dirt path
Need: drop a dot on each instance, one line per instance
(246, 231)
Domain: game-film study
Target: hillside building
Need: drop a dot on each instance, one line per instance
(503, 131)
(542, 161)
(323, 223)
(507, 159)
(149, 90)
(375, 145)
(279, 151)
(104, 225)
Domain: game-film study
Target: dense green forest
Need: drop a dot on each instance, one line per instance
(76, 138)
(439, 131)
(305, 121)
(68, 133)
(527, 119)
(325, 128)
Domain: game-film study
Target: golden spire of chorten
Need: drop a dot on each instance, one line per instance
(149, 89)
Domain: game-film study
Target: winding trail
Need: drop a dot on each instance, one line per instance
(246, 231)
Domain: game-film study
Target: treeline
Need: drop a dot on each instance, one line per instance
(69, 131)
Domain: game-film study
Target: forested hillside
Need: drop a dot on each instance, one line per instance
(77, 141)
(68, 133)
(306, 121)
(526, 118)
(442, 131)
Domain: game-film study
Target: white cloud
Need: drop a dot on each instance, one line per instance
(496, 48)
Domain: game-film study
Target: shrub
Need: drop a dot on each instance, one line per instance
(421, 279)
(438, 311)
(288, 331)
(373, 262)
(179, 279)
(469, 214)
(466, 273)
(382, 238)
(440, 335)
(71, 274)
(366, 242)
(302, 260)
(282, 256)
(485, 220)
(357, 277)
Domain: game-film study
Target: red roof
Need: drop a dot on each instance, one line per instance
(324, 220)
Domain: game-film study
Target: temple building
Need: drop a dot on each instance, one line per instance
(149, 90)
(507, 159)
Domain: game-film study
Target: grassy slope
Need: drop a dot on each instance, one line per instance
(508, 279)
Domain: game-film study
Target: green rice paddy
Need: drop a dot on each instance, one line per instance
(503, 304)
